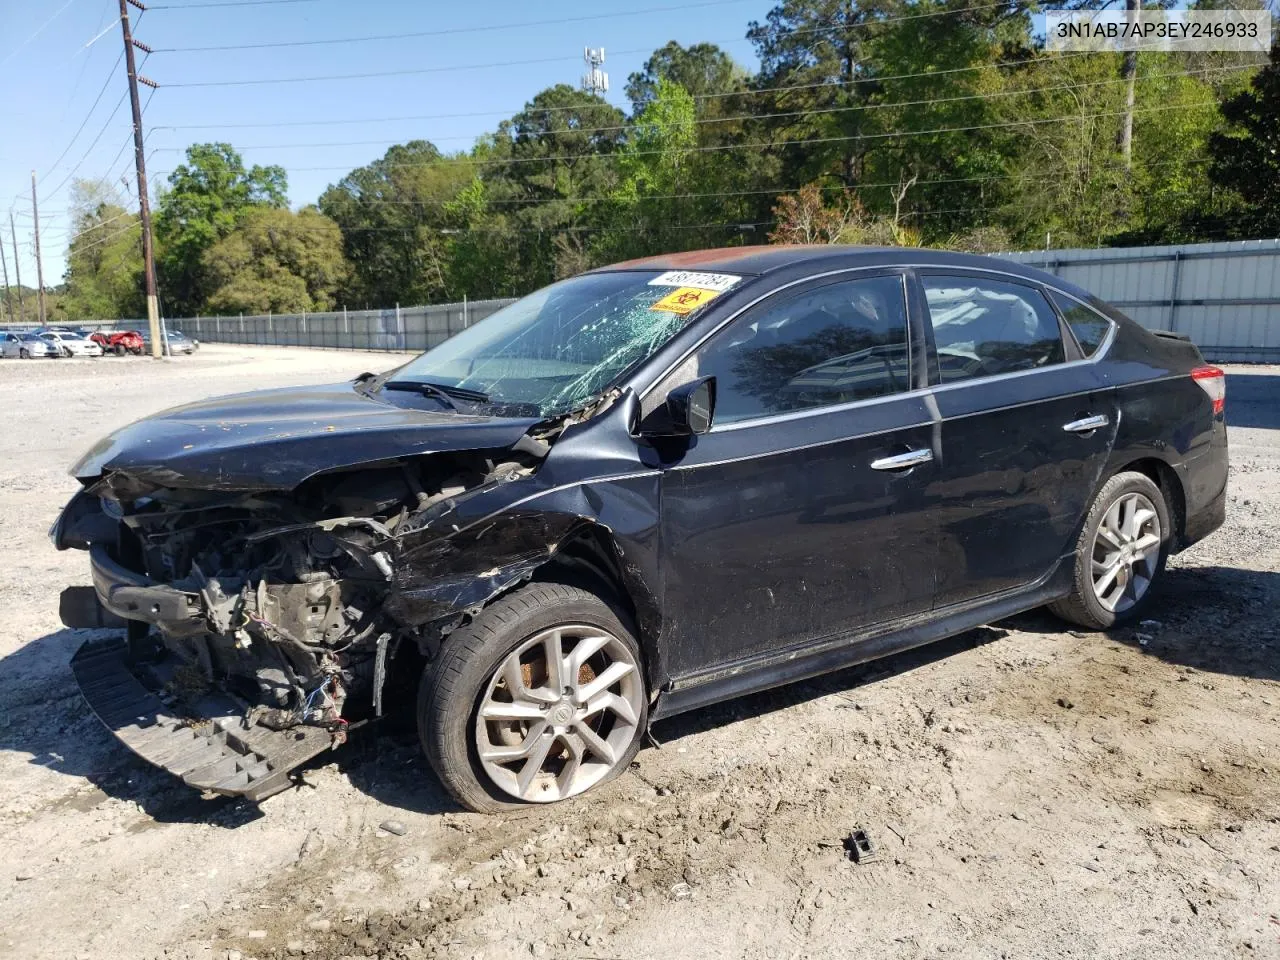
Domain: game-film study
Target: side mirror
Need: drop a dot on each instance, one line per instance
(692, 406)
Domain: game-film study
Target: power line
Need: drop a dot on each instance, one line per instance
(445, 32)
(452, 31)
(547, 111)
(409, 229)
(415, 71)
(116, 109)
(627, 127)
(223, 3)
(98, 99)
(760, 145)
(409, 71)
(70, 173)
(113, 176)
(39, 30)
(120, 232)
(89, 229)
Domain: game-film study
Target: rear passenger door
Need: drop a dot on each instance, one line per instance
(1026, 429)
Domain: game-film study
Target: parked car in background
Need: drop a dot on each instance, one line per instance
(636, 492)
(27, 346)
(71, 344)
(119, 342)
(178, 342)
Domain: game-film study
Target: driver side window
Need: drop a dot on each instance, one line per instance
(829, 345)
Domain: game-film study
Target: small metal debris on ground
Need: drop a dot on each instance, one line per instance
(1150, 624)
(1142, 638)
(393, 826)
(860, 848)
(681, 891)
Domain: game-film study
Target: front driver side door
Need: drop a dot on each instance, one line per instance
(790, 521)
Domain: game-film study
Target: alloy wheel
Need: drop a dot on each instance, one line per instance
(559, 713)
(1126, 552)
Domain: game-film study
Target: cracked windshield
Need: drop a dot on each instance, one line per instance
(562, 345)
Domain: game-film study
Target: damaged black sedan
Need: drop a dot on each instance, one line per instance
(635, 492)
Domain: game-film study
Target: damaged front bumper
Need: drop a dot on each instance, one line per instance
(213, 747)
(260, 631)
(133, 596)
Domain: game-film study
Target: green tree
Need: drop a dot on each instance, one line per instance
(547, 165)
(703, 69)
(276, 260)
(392, 215)
(819, 50)
(207, 197)
(104, 261)
(1245, 158)
(481, 247)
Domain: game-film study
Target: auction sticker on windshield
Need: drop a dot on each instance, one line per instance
(719, 282)
(684, 300)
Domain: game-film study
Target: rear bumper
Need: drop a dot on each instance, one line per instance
(1205, 520)
(1204, 485)
(211, 749)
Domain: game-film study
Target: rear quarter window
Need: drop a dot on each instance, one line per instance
(1089, 326)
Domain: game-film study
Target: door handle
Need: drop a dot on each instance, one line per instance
(903, 461)
(1087, 424)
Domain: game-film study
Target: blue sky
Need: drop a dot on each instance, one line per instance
(52, 79)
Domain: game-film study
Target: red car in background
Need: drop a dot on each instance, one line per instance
(118, 342)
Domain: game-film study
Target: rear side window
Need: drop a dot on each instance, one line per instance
(983, 327)
(833, 344)
(1089, 327)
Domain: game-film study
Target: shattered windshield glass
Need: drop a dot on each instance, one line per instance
(558, 347)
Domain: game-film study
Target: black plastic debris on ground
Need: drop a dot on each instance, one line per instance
(860, 848)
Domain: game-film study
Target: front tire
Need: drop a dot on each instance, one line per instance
(538, 699)
(24, 353)
(1120, 555)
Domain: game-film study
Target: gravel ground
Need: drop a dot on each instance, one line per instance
(1033, 792)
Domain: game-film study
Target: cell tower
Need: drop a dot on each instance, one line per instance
(594, 80)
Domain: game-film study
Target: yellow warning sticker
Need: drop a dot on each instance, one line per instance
(685, 300)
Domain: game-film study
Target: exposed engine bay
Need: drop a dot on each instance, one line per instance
(279, 598)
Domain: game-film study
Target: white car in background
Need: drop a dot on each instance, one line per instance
(72, 344)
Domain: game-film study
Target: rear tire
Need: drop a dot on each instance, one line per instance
(24, 353)
(576, 733)
(1120, 555)
(119, 349)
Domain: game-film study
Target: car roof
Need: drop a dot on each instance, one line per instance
(759, 260)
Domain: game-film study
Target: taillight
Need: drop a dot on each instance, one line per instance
(1213, 381)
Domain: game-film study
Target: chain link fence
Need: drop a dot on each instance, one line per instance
(1226, 296)
(399, 328)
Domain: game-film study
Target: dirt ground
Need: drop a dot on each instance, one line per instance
(1033, 792)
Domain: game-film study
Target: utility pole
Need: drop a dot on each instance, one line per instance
(1128, 76)
(35, 216)
(8, 295)
(17, 272)
(140, 161)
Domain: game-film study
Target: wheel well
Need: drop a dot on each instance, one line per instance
(590, 560)
(1166, 478)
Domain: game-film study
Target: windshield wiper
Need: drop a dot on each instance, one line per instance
(442, 392)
